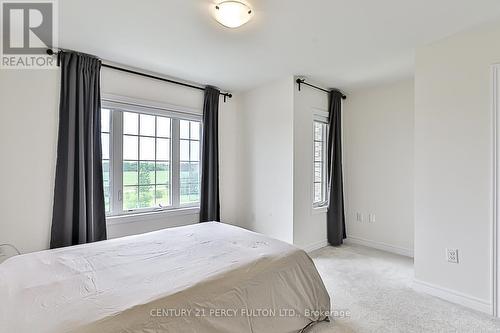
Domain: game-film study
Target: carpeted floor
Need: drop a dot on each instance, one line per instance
(372, 289)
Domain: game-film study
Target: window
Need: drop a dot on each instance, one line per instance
(105, 131)
(190, 161)
(146, 161)
(151, 159)
(320, 163)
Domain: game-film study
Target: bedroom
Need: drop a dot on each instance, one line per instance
(415, 164)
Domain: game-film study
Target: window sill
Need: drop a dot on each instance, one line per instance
(320, 210)
(147, 216)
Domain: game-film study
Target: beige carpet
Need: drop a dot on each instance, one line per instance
(375, 287)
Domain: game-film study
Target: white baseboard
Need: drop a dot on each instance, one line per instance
(453, 296)
(380, 246)
(315, 246)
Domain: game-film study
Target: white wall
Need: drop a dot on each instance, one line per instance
(29, 102)
(309, 227)
(230, 164)
(28, 137)
(453, 161)
(276, 160)
(378, 128)
(267, 159)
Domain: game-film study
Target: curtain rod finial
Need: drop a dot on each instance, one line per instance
(299, 82)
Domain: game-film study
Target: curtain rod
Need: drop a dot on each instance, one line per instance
(303, 81)
(224, 94)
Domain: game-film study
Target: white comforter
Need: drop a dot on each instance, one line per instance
(209, 277)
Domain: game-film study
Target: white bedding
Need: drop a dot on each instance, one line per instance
(208, 277)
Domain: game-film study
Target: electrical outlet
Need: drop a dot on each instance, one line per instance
(359, 217)
(452, 255)
(371, 218)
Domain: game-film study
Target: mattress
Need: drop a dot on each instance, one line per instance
(208, 277)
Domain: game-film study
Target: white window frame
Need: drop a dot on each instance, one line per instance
(175, 113)
(322, 117)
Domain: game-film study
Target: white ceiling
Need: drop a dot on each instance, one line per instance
(340, 43)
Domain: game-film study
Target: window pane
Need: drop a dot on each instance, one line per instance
(184, 129)
(106, 198)
(184, 150)
(129, 147)
(105, 146)
(318, 170)
(130, 123)
(130, 174)
(105, 173)
(317, 192)
(163, 127)
(162, 195)
(195, 130)
(194, 195)
(319, 164)
(147, 148)
(318, 151)
(105, 118)
(185, 172)
(162, 149)
(194, 173)
(162, 173)
(146, 173)
(146, 196)
(318, 131)
(147, 125)
(189, 194)
(184, 195)
(189, 183)
(105, 152)
(195, 151)
(130, 197)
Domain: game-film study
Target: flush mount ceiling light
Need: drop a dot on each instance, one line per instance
(232, 14)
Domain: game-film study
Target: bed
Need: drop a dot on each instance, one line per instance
(208, 277)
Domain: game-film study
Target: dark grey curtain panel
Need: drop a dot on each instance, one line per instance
(210, 205)
(335, 217)
(79, 213)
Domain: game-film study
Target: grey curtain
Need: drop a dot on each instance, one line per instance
(79, 214)
(335, 217)
(210, 205)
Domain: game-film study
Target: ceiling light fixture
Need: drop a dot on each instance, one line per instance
(232, 14)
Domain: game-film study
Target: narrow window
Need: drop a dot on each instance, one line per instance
(320, 164)
(189, 162)
(106, 156)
